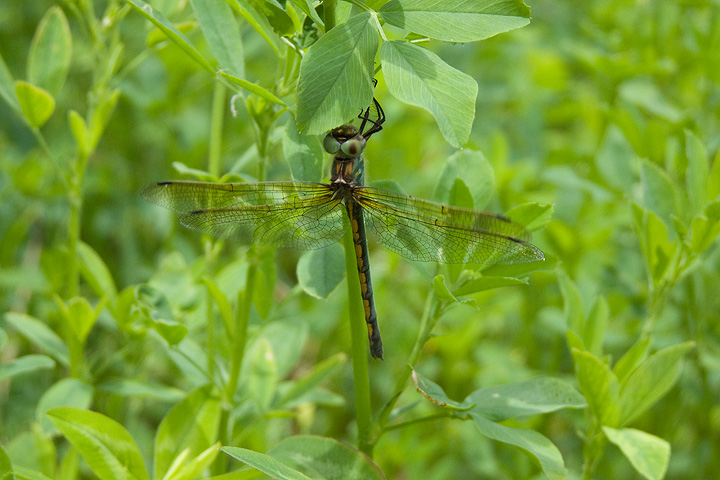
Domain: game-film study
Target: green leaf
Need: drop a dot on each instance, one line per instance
(632, 358)
(320, 271)
(336, 73)
(253, 88)
(7, 87)
(40, 335)
(50, 52)
(79, 129)
(101, 115)
(25, 364)
(433, 392)
(96, 273)
(599, 386)
(713, 178)
(481, 284)
(574, 313)
(304, 154)
(6, 468)
(649, 454)
(256, 20)
(105, 445)
(188, 429)
(67, 392)
(532, 216)
(651, 380)
(595, 326)
(456, 21)
(615, 159)
(660, 191)
(417, 76)
(223, 304)
(696, 176)
(222, 33)
(463, 165)
(325, 458)
(264, 463)
(200, 175)
(80, 316)
(641, 91)
(125, 387)
(312, 379)
(172, 33)
(537, 445)
(36, 104)
(531, 397)
(263, 375)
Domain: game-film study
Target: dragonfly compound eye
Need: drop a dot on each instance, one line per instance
(330, 144)
(354, 146)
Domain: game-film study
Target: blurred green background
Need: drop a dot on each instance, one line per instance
(590, 108)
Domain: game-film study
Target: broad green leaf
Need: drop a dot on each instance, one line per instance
(441, 289)
(253, 88)
(651, 380)
(434, 392)
(7, 87)
(304, 154)
(336, 73)
(325, 458)
(50, 52)
(531, 397)
(481, 284)
(172, 33)
(615, 160)
(313, 379)
(705, 228)
(101, 116)
(595, 326)
(67, 392)
(39, 334)
(222, 33)
(713, 178)
(574, 313)
(696, 176)
(532, 216)
(25, 364)
(223, 304)
(170, 330)
(456, 21)
(36, 104)
(660, 191)
(277, 15)
(200, 175)
(599, 386)
(191, 426)
(265, 463)
(649, 454)
(417, 76)
(537, 445)
(263, 375)
(320, 271)
(464, 165)
(105, 445)
(632, 358)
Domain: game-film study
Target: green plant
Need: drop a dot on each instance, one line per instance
(140, 358)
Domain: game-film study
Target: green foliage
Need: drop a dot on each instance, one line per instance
(131, 347)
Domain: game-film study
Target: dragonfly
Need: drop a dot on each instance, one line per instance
(311, 215)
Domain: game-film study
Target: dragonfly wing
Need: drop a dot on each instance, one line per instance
(428, 231)
(300, 215)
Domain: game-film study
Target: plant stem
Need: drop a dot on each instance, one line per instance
(358, 339)
(216, 128)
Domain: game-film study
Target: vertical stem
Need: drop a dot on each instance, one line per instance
(240, 331)
(358, 339)
(216, 127)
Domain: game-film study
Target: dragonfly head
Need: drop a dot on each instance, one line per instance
(345, 141)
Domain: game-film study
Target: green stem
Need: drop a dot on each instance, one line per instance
(358, 338)
(241, 325)
(216, 128)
